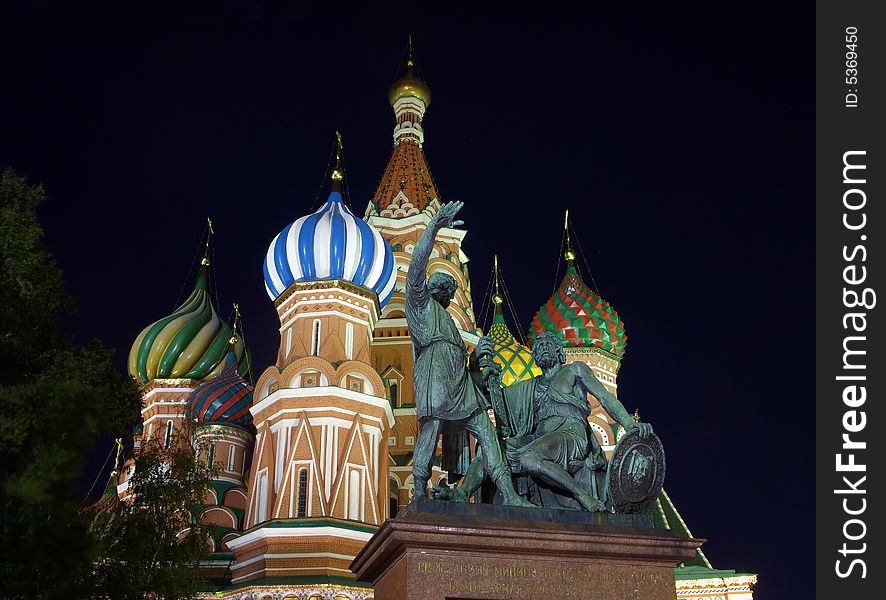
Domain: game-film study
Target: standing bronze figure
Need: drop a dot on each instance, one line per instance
(447, 397)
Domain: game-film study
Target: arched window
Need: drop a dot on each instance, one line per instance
(394, 390)
(167, 440)
(211, 460)
(302, 493)
(315, 338)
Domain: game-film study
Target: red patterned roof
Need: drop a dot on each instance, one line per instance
(407, 172)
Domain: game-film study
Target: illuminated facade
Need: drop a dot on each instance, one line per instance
(323, 454)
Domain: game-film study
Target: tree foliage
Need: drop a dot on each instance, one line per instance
(57, 399)
(150, 543)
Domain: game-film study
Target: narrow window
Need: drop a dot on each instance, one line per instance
(394, 390)
(262, 498)
(302, 493)
(354, 495)
(231, 459)
(349, 341)
(211, 460)
(167, 440)
(315, 338)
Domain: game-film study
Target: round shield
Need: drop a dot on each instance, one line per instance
(636, 472)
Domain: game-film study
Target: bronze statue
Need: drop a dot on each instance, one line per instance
(551, 440)
(447, 397)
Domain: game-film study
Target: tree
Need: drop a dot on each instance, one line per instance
(57, 399)
(149, 543)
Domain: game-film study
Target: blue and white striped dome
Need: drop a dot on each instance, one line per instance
(331, 244)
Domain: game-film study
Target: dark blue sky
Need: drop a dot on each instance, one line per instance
(681, 140)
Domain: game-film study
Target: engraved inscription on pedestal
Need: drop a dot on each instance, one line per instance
(518, 580)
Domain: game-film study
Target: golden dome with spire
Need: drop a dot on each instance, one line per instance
(409, 86)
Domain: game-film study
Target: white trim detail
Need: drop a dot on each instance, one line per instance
(173, 390)
(330, 390)
(278, 532)
(266, 569)
(255, 559)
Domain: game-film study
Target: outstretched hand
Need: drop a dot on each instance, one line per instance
(445, 217)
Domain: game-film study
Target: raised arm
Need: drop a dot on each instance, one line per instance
(416, 277)
(585, 377)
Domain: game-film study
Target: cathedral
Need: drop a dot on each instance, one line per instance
(318, 453)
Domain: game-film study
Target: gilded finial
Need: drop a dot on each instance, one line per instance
(636, 416)
(205, 260)
(409, 85)
(495, 268)
(234, 339)
(496, 297)
(116, 471)
(338, 173)
(570, 254)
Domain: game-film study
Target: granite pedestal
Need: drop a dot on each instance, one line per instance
(447, 551)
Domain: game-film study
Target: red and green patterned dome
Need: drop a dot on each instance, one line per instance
(580, 317)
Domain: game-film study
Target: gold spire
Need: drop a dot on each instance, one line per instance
(338, 173)
(570, 254)
(204, 262)
(636, 416)
(234, 339)
(116, 471)
(496, 298)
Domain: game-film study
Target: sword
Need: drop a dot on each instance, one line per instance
(496, 396)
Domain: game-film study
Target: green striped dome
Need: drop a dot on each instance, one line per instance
(190, 343)
(515, 358)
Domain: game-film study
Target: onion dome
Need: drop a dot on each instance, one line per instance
(223, 400)
(409, 86)
(515, 358)
(188, 344)
(331, 244)
(579, 317)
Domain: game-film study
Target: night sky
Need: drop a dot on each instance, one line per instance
(680, 139)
